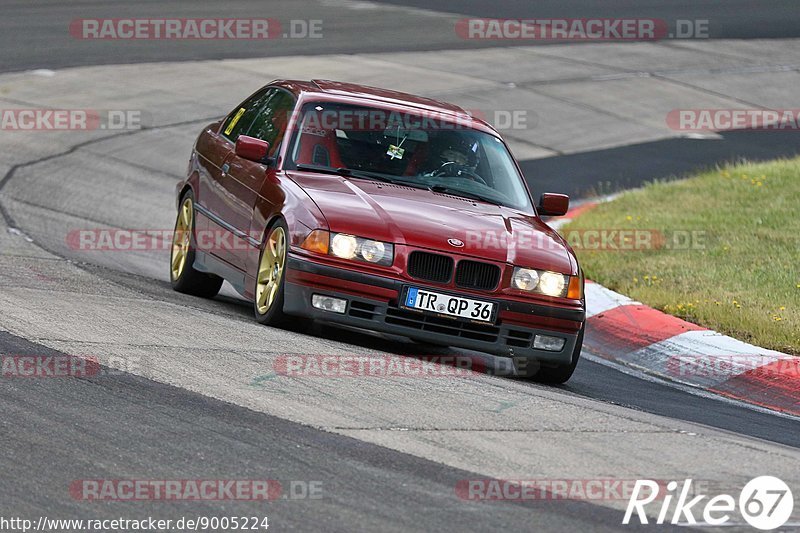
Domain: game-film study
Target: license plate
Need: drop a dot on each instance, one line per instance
(445, 304)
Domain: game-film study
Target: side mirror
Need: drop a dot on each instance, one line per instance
(553, 205)
(252, 149)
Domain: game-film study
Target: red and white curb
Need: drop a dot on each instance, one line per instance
(626, 332)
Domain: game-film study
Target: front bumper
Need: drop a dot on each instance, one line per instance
(372, 303)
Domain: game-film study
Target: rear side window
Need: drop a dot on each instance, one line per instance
(242, 117)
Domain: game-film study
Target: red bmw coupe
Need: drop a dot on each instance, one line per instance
(380, 210)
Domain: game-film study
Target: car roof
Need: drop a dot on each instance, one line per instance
(377, 94)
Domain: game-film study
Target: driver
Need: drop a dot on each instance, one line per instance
(460, 151)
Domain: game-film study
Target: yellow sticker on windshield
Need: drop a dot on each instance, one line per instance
(395, 152)
(234, 120)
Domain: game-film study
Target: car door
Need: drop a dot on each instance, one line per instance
(246, 180)
(224, 234)
(211, 151)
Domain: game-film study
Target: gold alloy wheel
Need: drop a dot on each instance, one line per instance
(270, 270)
(181, 239)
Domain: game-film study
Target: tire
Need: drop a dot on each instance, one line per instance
(554, 375)
(182, 275)
(271, 276)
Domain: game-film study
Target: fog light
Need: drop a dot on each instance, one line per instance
(327, 303)
(548, 343)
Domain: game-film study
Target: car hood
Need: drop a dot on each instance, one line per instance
(425, 219)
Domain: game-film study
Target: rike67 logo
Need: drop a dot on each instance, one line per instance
(765, 503)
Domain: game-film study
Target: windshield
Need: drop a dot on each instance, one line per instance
(429, 152)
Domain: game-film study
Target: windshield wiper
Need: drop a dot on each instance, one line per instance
(359, 174)
(363, 174)
(465, 194)
(320, 168)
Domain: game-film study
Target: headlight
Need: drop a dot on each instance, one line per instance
(352, 247)
(525, 279)
(552, 283)
(344, 246)
(541, 281)
(373, 251)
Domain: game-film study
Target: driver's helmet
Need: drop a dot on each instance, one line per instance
(461, 150)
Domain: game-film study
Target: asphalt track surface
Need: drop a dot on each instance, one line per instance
(728, 19)
(120, 425)
(48, 427)
(34, 34)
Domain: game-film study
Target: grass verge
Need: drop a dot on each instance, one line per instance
(720, 249)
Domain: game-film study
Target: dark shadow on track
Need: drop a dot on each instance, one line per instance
(607, 171)
(600, 382)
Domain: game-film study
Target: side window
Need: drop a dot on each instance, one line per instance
(270, 124)
(241, 118)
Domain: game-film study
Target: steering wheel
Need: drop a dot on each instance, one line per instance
(457, 170)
